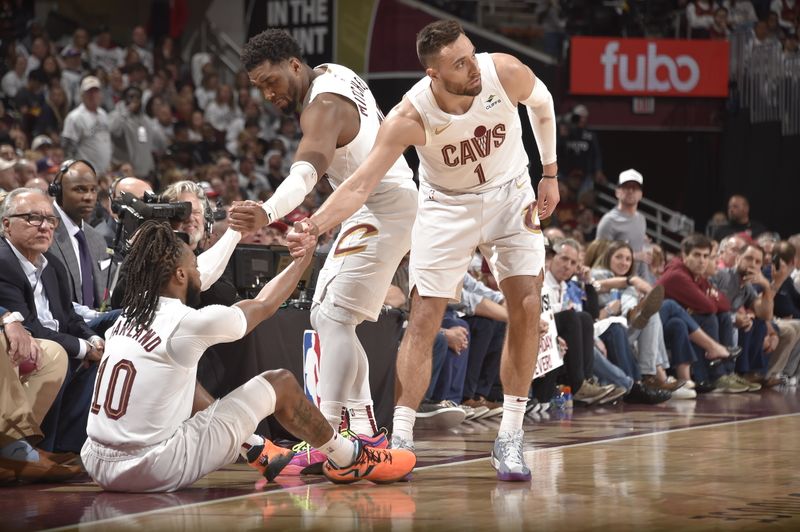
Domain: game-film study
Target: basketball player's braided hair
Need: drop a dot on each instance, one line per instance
(272, 45)
(148, 266)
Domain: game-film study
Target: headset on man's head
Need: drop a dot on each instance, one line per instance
(55, 188)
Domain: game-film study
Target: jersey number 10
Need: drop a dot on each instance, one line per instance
(122, 376)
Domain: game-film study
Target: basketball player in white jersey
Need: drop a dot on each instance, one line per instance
(143, 433)
(340, 120)
(475, 192)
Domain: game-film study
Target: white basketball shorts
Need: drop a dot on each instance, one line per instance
(202, 444)
(370, 245)
(502, 223)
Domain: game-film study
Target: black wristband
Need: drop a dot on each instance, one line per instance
(549, 176)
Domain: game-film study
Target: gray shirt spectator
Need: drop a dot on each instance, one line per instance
(630, 228)
(729, 282)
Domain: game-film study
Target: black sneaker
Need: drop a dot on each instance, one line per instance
(641, 394)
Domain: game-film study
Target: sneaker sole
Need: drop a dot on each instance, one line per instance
(650, 305)
(442, 419)
(493, 412)
(276, 465)
(611, 397)
(509, 477)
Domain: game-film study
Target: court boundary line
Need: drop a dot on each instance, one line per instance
(614, 440)
(423, 468)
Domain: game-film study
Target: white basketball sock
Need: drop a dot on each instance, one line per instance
(254, 440)
(513, 413)
(403, 422)
(339, 450)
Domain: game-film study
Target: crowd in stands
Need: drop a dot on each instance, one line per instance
(85, 119)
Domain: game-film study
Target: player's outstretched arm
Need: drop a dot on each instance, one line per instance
(323, 122)
(272, 296)
(401, 129)
(525, 88)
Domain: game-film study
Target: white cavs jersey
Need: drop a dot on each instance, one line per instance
(477, 151)
(146, 379)
(342, 81)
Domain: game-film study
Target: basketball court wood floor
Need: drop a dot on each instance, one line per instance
(724, 462)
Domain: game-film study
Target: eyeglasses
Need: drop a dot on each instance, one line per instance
(36, 220)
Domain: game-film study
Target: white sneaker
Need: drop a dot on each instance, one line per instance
(441, 415)
(508, 459)
(684, 393)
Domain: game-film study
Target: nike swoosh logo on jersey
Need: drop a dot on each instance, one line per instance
(439, 130)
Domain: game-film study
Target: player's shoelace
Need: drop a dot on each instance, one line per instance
(510, 452)
(303, 447)
(373, 455)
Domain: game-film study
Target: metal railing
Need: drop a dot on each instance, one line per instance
(767, 80)
(665, 226)
(210, 39)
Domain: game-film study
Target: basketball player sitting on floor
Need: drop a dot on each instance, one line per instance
(145, 433)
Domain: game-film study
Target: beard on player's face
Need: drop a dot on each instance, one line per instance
(193, 294)
(462, 88)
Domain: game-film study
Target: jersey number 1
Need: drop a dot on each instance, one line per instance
(481, 176)
(115, 382)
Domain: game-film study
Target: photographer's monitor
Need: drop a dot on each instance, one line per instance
(309, 278)
(253, 266)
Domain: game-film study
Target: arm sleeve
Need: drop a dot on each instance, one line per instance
(292, 191)
(542, 115)
(200, 329)
(211, 263)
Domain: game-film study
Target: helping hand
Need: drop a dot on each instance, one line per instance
(301, 240)
(247, 217)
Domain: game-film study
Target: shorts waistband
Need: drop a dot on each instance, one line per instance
(118, 452)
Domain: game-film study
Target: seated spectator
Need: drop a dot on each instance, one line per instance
(685, 282)
(574, 326)
(786, 323)
(739, 220)
(752, 299)
(35, 285)
(31, 374)
(729, 250)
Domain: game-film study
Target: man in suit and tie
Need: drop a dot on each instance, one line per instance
(77, 245)
(35, 284)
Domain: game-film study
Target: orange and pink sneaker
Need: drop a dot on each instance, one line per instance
(309, 461)
(381, 466)
(269, 459)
